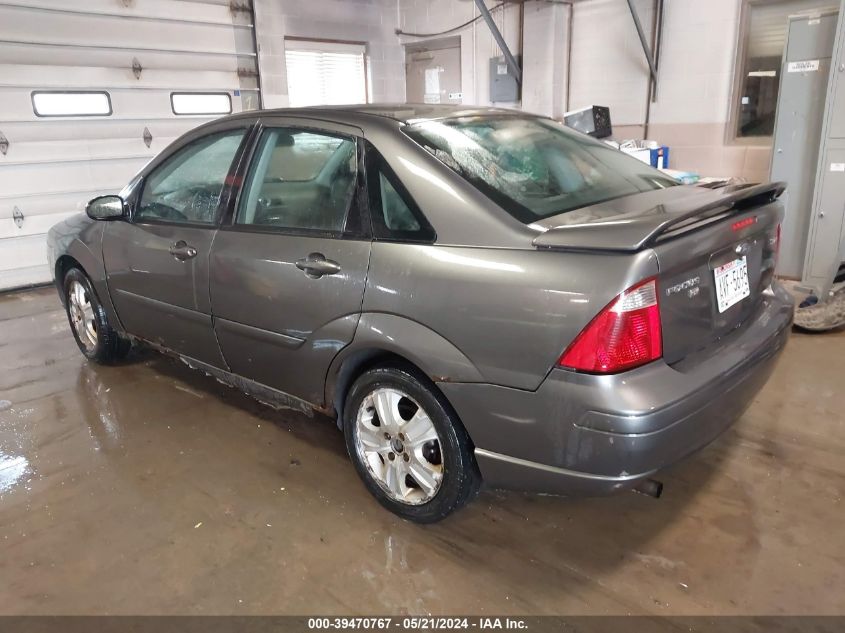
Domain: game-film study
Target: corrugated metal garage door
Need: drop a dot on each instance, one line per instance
(139, 51)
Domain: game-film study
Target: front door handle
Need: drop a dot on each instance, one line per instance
(182, 251)
(316, 265)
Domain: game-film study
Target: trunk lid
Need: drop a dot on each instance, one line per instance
(707, 242)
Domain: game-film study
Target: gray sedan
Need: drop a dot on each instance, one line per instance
(476, 295)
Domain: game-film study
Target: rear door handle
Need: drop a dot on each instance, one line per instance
(182, 251)
(316, 265)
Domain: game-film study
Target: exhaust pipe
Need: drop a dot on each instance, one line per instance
(650, 487)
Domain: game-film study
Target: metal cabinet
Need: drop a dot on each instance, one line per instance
(798, 129)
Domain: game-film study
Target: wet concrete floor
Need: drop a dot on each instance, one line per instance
(151, 488)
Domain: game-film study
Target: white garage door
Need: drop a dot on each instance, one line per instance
(128, 57)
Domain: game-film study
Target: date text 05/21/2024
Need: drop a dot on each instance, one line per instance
(417, 623)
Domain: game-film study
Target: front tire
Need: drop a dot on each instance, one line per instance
(408, 446)
(96, 338)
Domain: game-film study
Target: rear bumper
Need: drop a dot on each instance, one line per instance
(584, 434)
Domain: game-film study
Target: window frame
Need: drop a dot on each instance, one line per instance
(229, 181)
(33, 93)
(376, 164)
(357, 204)
(735, 105)
(178, 93)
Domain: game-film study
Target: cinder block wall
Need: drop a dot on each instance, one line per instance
(477, 45)
(695, 80)
(607, 66)
(544, 51)
(370, 21)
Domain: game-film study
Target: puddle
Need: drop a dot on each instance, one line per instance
(13, 469)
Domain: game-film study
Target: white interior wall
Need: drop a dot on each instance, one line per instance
(371, 21)
(697, 62)
(545, 48)
(608, 66)
(375, 22)
(695, 80)
(477, 44)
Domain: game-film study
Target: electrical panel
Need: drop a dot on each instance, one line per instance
(504, 88)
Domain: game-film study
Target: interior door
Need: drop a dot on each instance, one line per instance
(433, 72)
(288, 271)
(157, 263)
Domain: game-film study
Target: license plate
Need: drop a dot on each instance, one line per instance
(731, 283)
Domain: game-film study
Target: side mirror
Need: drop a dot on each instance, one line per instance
(105, 208)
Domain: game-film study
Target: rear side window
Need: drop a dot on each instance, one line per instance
(534, 168)
(300, 180)
(397, 214)
(394, 213)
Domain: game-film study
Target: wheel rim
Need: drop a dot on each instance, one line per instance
(82, 315)
(398, 443)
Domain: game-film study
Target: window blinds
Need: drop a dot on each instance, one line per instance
(325, 73)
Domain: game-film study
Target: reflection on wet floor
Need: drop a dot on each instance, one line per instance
(149, 487)
(13, 469)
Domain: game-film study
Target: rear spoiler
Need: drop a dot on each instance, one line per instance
(635, 232)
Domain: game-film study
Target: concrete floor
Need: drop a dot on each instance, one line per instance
(150, 488)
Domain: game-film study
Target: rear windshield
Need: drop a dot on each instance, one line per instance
(535, 168)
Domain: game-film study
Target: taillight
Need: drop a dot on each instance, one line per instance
(624, 335)
(771, 257)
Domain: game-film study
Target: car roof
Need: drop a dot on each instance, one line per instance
(400, 112)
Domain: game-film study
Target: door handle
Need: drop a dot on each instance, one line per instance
(316, 265)
(182, 251)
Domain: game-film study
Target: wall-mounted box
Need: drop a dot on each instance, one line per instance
(504, 88)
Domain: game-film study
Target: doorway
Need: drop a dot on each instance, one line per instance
(433, 71)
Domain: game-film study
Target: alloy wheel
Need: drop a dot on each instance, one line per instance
(399, 444)
(82, 315)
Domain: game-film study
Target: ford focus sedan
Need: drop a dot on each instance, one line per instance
(476, 295)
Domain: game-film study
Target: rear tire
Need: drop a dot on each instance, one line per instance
(96, 338)
(408, 445)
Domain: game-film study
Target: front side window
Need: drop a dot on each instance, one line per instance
(300, 180)
(534, 168)
(187, 186)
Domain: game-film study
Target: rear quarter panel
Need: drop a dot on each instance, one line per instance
(511, 312)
